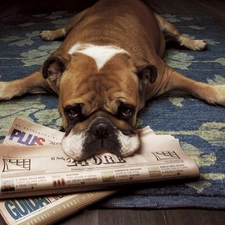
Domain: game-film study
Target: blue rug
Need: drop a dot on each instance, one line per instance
(199, 127)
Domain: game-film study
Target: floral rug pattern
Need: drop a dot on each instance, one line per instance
(199, 127)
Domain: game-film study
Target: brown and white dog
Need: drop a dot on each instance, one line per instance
(108, 66)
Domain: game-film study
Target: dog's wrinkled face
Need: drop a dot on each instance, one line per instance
(98, 105)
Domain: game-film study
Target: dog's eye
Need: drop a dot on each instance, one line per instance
(125, 112)
(74, 112)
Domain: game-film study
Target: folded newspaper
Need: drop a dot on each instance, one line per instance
(42, 168)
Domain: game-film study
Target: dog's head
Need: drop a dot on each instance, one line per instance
(99, 105)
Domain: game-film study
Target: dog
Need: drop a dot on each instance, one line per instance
(108, 66)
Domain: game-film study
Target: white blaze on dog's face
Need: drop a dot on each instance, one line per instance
(99, 98)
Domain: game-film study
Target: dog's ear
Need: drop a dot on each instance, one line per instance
(147, 75)
(54, 67)
(146, 72)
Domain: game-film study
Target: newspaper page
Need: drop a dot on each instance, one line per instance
(32, 171)
(49, 209)
(160, 155)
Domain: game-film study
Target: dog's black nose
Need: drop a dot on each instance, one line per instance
(101, 128)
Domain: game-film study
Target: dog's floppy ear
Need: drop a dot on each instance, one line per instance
(147, 75)
(54, 66)
(146, 72)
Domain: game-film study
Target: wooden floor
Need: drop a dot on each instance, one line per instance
(216, 9)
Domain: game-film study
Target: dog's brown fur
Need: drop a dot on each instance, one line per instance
(131, 77)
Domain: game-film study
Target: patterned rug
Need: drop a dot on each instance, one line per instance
(199, 127)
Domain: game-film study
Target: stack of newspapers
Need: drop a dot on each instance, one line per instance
(40, 184)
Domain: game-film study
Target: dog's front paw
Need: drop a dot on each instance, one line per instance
(5, 92)
(219, 97)
(47, 35)
(214, 95)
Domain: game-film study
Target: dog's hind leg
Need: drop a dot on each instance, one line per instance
(50, 35)
(170, 32)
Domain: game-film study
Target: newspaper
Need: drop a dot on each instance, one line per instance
(48, 209)
(34, 171)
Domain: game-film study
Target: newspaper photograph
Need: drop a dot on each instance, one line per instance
(38, 170)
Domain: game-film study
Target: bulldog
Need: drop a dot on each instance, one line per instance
(109, 64)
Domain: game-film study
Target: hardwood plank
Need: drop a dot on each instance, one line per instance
(145, 217)
(140, 217)
(215, 9)
(194, 217)
(85, 217)
(117, 217)
(11, 7)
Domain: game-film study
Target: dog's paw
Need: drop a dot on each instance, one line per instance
(5, 92)
(220, 95)
(215, 95)
(47, 35)
(196, 45)
(199, 45)
(50, 35)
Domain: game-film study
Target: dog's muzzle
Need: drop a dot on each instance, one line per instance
(101, 134)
